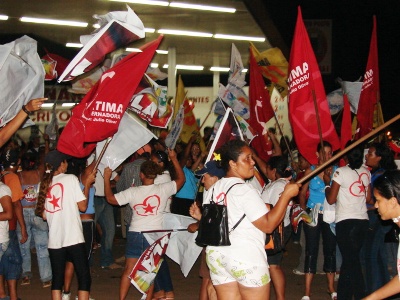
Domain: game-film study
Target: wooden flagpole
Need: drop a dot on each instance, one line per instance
(102, 153)
(345, 150)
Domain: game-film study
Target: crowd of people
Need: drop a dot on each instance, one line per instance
(63, 207)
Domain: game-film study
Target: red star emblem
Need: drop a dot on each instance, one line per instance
(54, 201)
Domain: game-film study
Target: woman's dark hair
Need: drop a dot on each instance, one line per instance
(280, 163)
(355, 157)
(385, 153)
(388, 184)
(161, 156)
(44, 186)
(29, 161)
(231, 151)
(324, 144)
(150, 169)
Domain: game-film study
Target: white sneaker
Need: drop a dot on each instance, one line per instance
(305, 298)
(90, 298)
(66, 296)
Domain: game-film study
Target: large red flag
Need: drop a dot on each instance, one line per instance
(98, 115)
(370, 89)
(305, 89)
(260, 110)
(346, 129)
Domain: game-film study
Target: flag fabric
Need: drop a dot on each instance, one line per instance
(117, 29)
(236, 98)
(150, 103)
(99, 113)
(21, 76)
(260, 110)
(52, 128)
(274, 67)
(180, 96)
(130, 137)
(369, 96)
(86, 82)
(182, 247)
(176, 129)
(353, 90)
(281, 110)
(236, 74)
(146, 268)
(346, 128)
(306, 92)
(228, 130)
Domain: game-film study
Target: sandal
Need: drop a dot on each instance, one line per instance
(333, 295)
(25, 281)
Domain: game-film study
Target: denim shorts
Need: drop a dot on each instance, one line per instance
(136, 243)
(11, 262)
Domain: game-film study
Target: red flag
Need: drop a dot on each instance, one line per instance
(370, 89)
(260, 110)
(346, 129)
(305, 87)
(98, 115)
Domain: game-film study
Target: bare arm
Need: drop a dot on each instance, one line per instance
(180, 176)
(303, 191)
(16, 122)
(389, 289)
(186, 153)
(274, 217)
(20, 218)
(107, 187)
(331, 192)
(275, 142)
(262, 165)
(7, 212)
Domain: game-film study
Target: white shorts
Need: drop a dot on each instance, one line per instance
(225, 270)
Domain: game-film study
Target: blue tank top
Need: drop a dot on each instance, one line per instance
(317, 190)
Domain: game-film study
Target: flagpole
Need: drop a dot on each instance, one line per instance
(345, 150)
(283, 136)
(318, 121)
(202, 124)
(102, 152)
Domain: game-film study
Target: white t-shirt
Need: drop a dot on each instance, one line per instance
(271, 194)
(4, 191)
(247, 242)
(62, 213)
(352, 193)
(147, 203)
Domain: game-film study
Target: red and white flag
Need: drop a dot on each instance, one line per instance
(306, 92)
(117, 29)
(369, 96)
(98, 115)
(346, 128)
(146, 268)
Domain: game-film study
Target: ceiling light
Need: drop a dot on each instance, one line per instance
(97, 26)
(186, 67)
(202, 7)
(162, 51)
(239, 37)
(149, 30)
(68, 104)
(148, 2)
(154, 65)
(133, 50)
(219, 69)
(53, 22)
(183, 32)
(74, 45)
(3, 17)
(44, 105)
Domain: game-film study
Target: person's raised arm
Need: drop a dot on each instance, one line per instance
(7, 131)
(180, 176)
(187, 150)
(108, 193)
(262, 165)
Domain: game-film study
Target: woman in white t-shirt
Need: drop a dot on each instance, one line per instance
(279, 174)
(350, 190)
(240, 271)
(147, 201)
(59, 202)
(6, 213)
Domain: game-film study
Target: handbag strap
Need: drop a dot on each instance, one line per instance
(241, 219)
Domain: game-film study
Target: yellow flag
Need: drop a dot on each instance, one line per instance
(179, 97)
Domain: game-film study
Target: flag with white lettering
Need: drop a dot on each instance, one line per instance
(176, 129)
(146, 268)
(260, 110)
(236, 74)
(117, 29)
(308, 107)
(21, 76)
(131, 136)
(369, 96)
(98, 115)
(150, 103)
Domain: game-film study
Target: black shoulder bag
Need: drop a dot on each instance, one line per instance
(213, 226)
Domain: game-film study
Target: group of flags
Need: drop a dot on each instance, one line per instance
(286, 95)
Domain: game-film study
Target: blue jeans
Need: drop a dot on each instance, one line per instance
(312, 235)
(39, 230)
(374, 255)
(163, 278)
(11, 262)
(104, 215)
